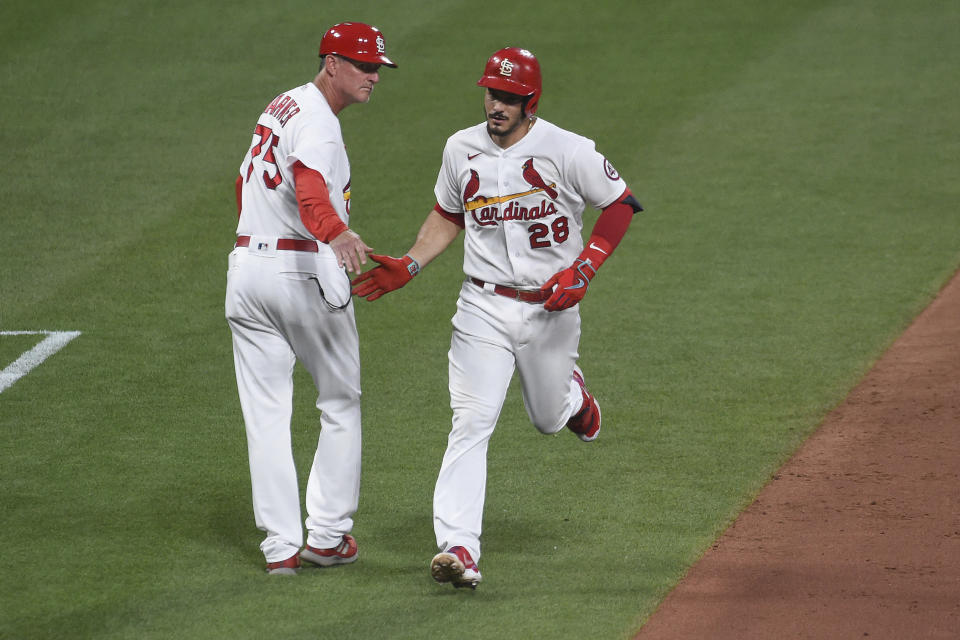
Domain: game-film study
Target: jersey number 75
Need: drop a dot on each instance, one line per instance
(268, 140)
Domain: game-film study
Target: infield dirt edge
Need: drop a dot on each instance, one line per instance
(857, 535)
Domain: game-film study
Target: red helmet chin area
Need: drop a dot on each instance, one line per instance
(357, 41)
(517, 71)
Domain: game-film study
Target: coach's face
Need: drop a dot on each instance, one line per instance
(355, 80)
(504, 112)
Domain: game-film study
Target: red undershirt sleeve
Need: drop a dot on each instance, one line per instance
(455, 218)
(614, 221)
(609, 230)
(313, 200)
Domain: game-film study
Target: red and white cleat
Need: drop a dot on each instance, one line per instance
(455, 566)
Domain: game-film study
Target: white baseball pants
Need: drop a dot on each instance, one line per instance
(492, 337)
(277, 315)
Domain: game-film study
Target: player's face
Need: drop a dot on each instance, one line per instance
(504, 113)
(356, 79)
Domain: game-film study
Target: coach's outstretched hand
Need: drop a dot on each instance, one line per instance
(392, 273)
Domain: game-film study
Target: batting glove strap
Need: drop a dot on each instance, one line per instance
(413, 267)
(586, 272)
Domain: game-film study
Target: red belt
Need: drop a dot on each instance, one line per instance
(284, 244)
(524, 295)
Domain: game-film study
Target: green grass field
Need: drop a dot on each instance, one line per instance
(798, 162)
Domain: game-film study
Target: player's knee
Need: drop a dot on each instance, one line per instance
(547, 425)
(474, 422)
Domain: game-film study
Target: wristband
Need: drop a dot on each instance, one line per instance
(413, 267)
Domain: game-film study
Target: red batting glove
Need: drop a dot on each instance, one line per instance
(571, 283)
(392, 274)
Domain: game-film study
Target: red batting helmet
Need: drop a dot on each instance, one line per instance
(514, 70)
(357, 41)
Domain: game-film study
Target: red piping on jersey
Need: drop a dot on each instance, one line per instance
(239, 185)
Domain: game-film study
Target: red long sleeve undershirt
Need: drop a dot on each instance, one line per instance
(316, 212)
(313, 201)
(613, 222)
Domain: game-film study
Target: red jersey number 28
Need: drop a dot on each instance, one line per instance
(268, 140)
(539, 232)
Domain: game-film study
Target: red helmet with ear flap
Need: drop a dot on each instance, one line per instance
(514, 70)
(357, 41)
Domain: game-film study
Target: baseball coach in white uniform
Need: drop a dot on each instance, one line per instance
(288, 299)
(517, 185)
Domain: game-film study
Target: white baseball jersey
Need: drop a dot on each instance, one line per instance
(523, 206)
(296, 125)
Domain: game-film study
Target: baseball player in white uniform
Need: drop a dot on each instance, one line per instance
(518, 186)
(288, 298)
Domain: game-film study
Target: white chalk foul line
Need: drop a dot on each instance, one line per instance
(54, 341)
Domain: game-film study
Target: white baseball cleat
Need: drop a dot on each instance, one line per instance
(455, 565)
(343, 553)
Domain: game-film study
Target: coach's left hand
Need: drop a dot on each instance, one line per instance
(351, 250)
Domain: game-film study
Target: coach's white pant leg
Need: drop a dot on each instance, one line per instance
(546, 355)
(481, 363)
(332, 356)
(264, 367)
(333, 489)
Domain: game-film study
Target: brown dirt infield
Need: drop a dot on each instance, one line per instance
(858, 535)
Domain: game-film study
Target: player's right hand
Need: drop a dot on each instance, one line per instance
(392, 273)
